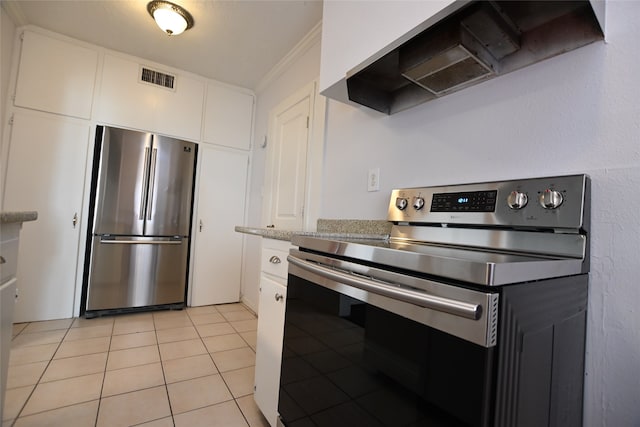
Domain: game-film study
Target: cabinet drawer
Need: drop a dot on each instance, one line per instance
(274, 262)
(9, 260)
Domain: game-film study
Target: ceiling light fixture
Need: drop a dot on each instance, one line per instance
(171, 18)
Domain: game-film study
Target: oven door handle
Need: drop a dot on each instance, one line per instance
(447, 305)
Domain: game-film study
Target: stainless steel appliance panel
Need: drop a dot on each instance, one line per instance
(136, 272)
(464, 313)
(414, 329)
(348, 362)
(490, 268)
(170, 187)
(122, 182)
(558, 202)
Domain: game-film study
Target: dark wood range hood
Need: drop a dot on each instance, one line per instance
(478, 42)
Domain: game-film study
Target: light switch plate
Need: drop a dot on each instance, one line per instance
(373, 180)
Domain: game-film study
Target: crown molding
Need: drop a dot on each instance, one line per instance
(309, 40)
(14, 11)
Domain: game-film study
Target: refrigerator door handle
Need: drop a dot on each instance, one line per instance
(143, 193)
(152, 179)
(141, 242)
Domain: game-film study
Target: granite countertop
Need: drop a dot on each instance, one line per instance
(22, 216)
(328, 228)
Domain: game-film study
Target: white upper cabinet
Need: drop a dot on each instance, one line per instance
(56, 76)
(126, 100)
(228, 117)
(355, 33)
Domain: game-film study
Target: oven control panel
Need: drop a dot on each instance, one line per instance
(469, 201)
(552, 202)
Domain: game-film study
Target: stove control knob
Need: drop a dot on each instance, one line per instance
(401, 203)
(517, 200)
(551, 199)
(418, 203)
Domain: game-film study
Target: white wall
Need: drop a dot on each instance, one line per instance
(301, 71)
(579, 112)
(7, 34)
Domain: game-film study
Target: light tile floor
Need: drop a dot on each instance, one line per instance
(193, 367)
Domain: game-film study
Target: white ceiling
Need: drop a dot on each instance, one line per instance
(234, 41)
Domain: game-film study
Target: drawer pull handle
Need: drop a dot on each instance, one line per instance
(274, 260)
(279, 297)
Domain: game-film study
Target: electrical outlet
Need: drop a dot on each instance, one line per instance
(373, 180)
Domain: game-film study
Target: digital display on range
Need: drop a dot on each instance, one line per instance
(475, 201)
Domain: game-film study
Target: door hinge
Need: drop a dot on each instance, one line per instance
(302, 211)
(11, 120)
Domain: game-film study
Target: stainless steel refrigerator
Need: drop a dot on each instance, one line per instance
(141, 220)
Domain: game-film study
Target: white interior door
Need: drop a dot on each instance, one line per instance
(217, 262)
(46, 173)
(289, 130)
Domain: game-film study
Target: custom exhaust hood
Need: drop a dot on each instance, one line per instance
(478, 42)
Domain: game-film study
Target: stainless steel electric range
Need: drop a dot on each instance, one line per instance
(473, 312)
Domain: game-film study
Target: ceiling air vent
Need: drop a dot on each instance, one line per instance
(158, 78)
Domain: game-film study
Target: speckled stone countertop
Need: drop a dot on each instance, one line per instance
(24, 216)
(329, 228)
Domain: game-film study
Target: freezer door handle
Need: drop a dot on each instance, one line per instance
(152, 181)
(143, 193)
(141, 242)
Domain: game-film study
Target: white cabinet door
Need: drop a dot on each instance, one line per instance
(228, 117)
(56, 76)
(273, 298)
(127, 101)
(287, 173)
(7, 304)
(217, 262)
(46, 173)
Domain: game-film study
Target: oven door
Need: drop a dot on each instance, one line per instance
(362, 347)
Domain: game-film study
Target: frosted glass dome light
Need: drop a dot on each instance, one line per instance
(171, 18)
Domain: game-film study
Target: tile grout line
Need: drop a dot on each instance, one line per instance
(233, 398)
(15, 420)
(157, 344)
(104, 373)
(164, 376)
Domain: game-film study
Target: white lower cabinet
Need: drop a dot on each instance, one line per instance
(46, 173)
(217, 254)
(9, 243)
(7, 303)
(273, 297)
